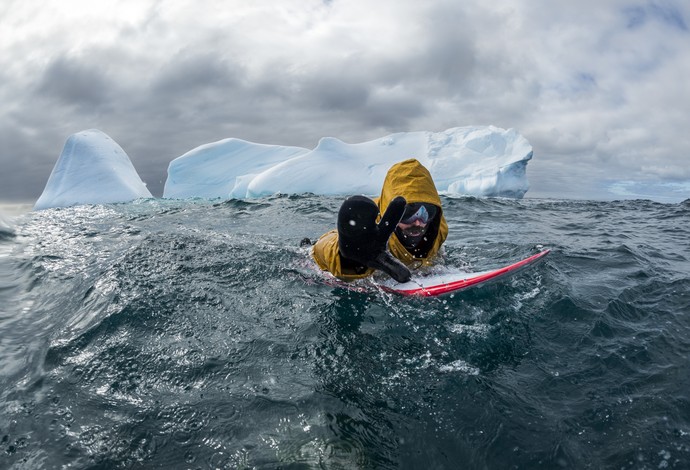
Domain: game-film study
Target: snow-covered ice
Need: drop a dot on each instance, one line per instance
(478, 161)
(223, 169)
(92, 169)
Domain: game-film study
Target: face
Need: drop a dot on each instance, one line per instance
(414, 230)
(415, 223)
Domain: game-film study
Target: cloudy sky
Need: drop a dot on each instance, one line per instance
(599, 88)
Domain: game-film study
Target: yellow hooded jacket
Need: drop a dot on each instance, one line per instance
(411, 180)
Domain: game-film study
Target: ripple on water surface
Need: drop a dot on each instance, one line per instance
(196, 334)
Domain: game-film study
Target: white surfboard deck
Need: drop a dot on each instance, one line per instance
(441, 284)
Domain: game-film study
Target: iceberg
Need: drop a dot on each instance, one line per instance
(477, 161)
(223, 169)
(92, 169)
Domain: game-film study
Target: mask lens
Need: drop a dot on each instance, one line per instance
(419, 211)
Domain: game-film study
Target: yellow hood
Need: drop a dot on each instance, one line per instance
(411, 180)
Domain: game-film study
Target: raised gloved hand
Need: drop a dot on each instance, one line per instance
(363, 241)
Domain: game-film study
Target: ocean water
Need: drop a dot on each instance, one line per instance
(196, 334)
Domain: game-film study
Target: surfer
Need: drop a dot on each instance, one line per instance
(408, 234)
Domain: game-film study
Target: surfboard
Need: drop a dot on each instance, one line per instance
(441, 284)
(438, 284)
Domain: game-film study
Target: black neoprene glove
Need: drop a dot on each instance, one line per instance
(362, 240)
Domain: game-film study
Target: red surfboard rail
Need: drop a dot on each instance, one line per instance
(471, 280)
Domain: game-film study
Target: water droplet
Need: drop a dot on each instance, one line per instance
(352, 222)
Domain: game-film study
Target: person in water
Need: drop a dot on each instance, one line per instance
(408, 234)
